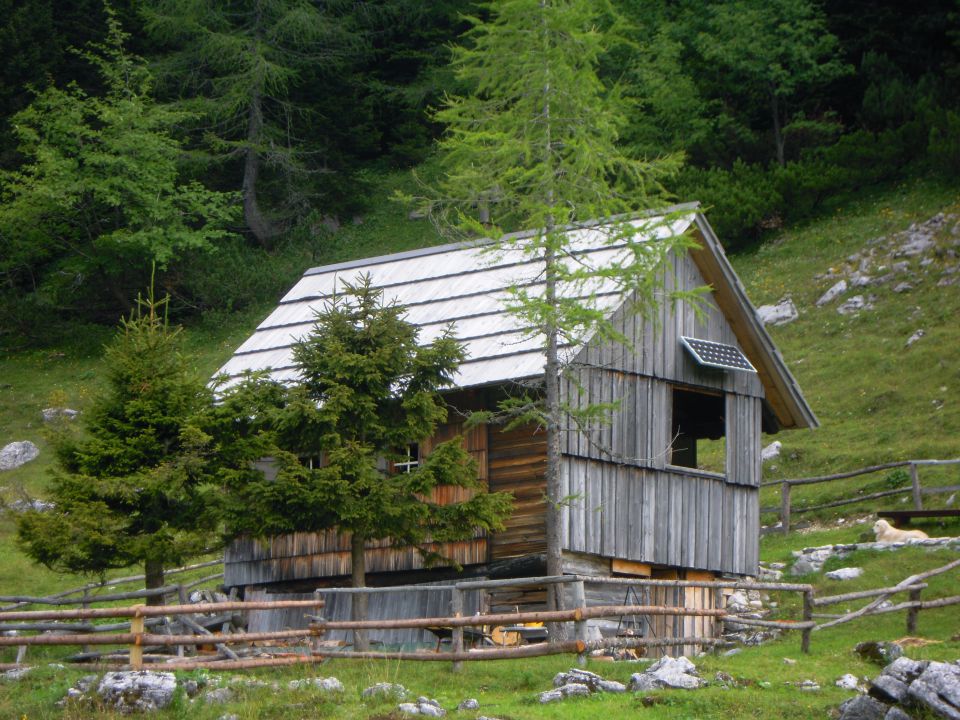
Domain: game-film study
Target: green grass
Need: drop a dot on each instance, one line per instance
(873, 397)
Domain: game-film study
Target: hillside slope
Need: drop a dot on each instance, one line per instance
(877, 399)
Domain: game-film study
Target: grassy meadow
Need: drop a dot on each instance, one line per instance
(877, 400)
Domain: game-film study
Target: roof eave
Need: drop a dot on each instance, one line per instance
(782, 391)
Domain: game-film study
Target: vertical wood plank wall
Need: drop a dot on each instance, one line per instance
(629, 502)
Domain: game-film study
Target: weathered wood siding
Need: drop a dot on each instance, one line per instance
(517, 462)
(394, 606)
(657, 353)
(743, 440)
(664, 517)
(297, 556)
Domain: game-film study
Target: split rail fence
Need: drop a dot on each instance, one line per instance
(787, 511)
(139, 638)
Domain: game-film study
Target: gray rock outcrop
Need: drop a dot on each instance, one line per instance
(781, 313)
(835, 291)
(847, 573)
(17, 454)
(906, 688)
(667, 672)
(137, 690)
(385, 690)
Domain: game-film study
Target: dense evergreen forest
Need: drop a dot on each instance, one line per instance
(224, 143)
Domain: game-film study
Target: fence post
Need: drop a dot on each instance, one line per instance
(912, 612)
(136, 650)
(785, 507)
(580, 625)
(456, 606)
(915, 481)
(807, 617)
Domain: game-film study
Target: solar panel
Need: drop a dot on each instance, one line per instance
(718, 355)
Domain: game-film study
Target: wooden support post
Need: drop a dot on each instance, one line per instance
(807, 617)
(85, 603)
(580, 625)
(913, 612)
(915, 481)
(785, 507)
(183, 599)
(136, 649)
(456, 607)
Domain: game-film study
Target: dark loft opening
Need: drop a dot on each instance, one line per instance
(698, 431)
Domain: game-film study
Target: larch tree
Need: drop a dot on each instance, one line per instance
(367, 392)
(535, 146)
(241, 66)
(136, 487)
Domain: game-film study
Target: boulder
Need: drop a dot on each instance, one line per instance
(780, 314)
(917, 243)
(903, 287)
(326, 684)
(468, 704)
(550, 696)
(833, 293)
(137, 690)
(219, 696)
(847, 573)
(386, 691)
(771, 451)
(847, 682)
(879, 652)
(855, 305)
(938, 690)
(913, 338)
(18, 453)
(863, 707)
(888, 689)
(906, 670)
(57, 413)
(675, 673)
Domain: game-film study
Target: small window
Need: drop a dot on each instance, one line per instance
(411, 462)
(313, 462)
(698, 431)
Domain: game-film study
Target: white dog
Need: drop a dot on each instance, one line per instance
(886, 533)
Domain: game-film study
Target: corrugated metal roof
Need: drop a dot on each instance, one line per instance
(463, 285)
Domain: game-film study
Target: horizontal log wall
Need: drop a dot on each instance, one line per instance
(517, 463)
(660, 517)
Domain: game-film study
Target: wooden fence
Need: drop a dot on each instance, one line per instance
(786, 509)
(138, 638)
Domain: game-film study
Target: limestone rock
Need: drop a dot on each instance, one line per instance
(938, 690)
(847, 573)
(18, 453)
(847, 682)
(385, 690)
(326, 684)
(137, 690)
(771, 451)
(219, 696)
(888, 689)
(780, 314)
(862, 707)
(833, 293)
(878, 652)
(468, 704)
(855, 305)
(56, 413)
(549, 696)
(903, 287)
(913, 338)
(916, 244)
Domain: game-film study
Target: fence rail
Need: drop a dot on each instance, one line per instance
(138, 639)
(786, 509)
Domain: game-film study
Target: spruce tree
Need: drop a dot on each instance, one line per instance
(534, 146)
(368, 391)
(135, 487)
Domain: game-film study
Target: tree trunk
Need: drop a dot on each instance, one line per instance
(778, 138)
(358, 603)
(261, 228)
(551, 372)
(153, 570)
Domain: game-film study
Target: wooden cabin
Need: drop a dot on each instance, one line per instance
(668, 488)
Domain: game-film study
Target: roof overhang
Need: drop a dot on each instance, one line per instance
(786, 402)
